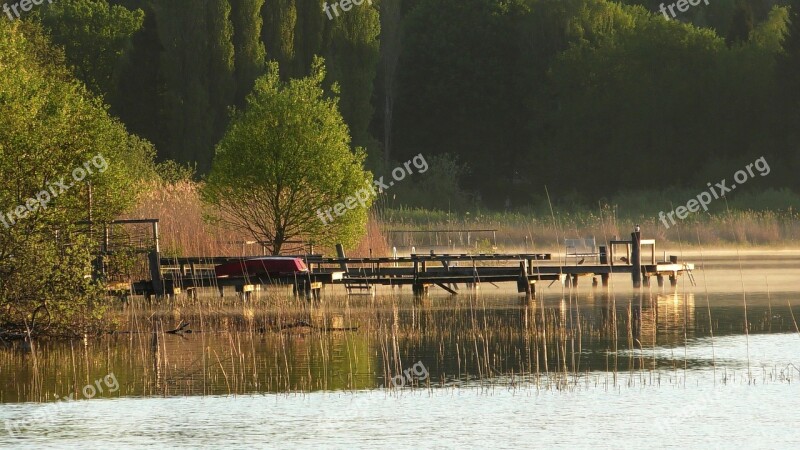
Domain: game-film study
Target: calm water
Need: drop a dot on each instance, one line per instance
(662, 367)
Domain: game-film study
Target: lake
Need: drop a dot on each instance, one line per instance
(616, 367)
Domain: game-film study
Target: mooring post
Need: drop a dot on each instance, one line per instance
(636, 258)
(523, 283)
(154, 258)
(155, 263)
(418, 288)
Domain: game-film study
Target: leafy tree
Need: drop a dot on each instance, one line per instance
(280, 19)
(138, 102)
(248, 47)
(789, 84)
(458, 89)
(742, 24)
(222, 81)
(52, 130)
(96, 37)
(352, 58)
(391, 45)
(196, 67)
(284, 160)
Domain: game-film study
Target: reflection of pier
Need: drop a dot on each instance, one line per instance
(446, 271)
(668, 315)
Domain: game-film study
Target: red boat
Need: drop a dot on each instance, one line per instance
(273, 266)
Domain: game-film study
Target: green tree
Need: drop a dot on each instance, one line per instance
(222, 82)
(741, 25)
(96, 37)
(459, 90)
(352, 56)
(788, 74)
(391, 46)
(283, 161)
(196, 68)
(280, 19)
(52, 130)
(248, 47)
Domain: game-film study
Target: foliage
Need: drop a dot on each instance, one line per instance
(527, 93)
(284, 157)
(437, 188)
(51, 125)
(96, 37)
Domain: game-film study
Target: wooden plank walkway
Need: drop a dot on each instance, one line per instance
(420, 271)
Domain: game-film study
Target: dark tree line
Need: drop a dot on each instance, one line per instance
(586, 97)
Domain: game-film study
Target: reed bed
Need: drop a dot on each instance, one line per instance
(274, 343)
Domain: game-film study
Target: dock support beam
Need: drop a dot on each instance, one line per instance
(523, 282)
(636, 258)
(155, 272)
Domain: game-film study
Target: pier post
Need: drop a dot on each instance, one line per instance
(154, 258)
(523, 283)
(604, 279)
(660, 279)
(636, 258)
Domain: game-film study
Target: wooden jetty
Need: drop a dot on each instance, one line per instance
(171, 276)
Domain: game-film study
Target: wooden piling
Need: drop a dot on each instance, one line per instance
(636, 258)
(523, 283)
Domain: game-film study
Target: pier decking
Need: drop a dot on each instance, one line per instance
(171, 276)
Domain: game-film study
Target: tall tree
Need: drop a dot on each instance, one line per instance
(280, 19)
(248, 47)
(197, 72)
(96, 37)
(311, 34)
(352, 55)
(221, 70)
(138, 99)
(789, 85)
(457, 89)
(391, 45)
(741, 25)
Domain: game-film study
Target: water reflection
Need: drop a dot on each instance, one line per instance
(473, 339)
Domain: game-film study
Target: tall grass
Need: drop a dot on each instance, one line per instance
(538, 231)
